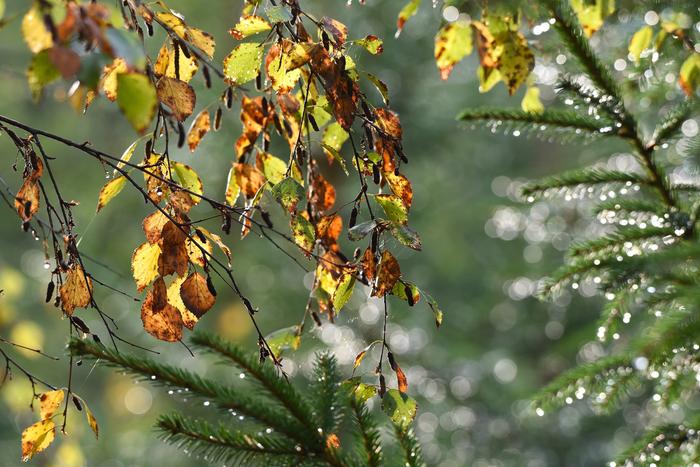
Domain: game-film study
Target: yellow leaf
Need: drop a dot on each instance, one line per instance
(272, 167)
(689, 77)
(591, 15)
(144, 264)
(36, 438)
(200, 127)
(92, 421)
(640, 41)
(303, 233)
(531, 101)
(232, 188)
(219, 242)
(177, 95)
(188, 179)
(34, 31)
(243, 63)
(108, 82)
(282, 65)
(166, 65)
(409, 9)
(137, 99)
(202, 40)
(111, 189)
(76, 290)
(189, 319)
(249, 25)
(452, 43)
(49, 403)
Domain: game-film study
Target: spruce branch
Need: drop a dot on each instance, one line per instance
(410, 448)
(587, 176)
(370, 451)
(662, 440)
(671, 123)
(220, 444)
(630, 206)
(222, 396)
(264, 375)
(327, 394)
(624, 238)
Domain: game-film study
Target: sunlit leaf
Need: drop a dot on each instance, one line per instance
(37, 437)
(272, 167)
(640, 41)
(76, 291)
(406, 291)
(288, 193)
(371, 44)
(174, 257)
(27, 199)
(689, 77)
(248, 178)
(400, 375)
(406, 235)
(137, 99)
(335, 136)
(160, 319)
(108, 81)
(166, 65)
(249, 25)
(243, 63)
(200, 127)
(177, 95)
(388, 274)
(409, 9)
(380, 86)
(322, 194)
(144, 264)
(196, 294)
(399, 407)
(336, 29)
(40, 73)
(283, 63)
(188, 179)
(202, 40)
(110, 190)
(393, 207)
(34, 31)
(434, 307)
(232, 188)
(153, 226)
(277, 14)
(92, 421)
(592, 14)
(49, 402)
(303, 233)
(400, 186)
(360, 231)
(284, 339)
(452, 43)
(218, 241)
(531, 101)
(343, 292)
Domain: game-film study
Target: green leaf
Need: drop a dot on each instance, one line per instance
(434, 307)
(640, 41)
(403, 288)
(399, 407)
(273, 167)
(361, 391)
(284, 339)
(277, 14)
(109, 191)
(189, 179)
(288, 193)
(41, 72)
(371, 44)
(407, 236)
(393, 207)
(381, 87)
(336, 156)
(137, 99)
(303, 233)
(361, 230)
(343, 292)
(690, 74)
(243, 63)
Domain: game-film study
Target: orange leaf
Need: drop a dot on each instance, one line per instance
(200, 127)
(388, 274)
(76, 290)
(161, 319)
(196, 294)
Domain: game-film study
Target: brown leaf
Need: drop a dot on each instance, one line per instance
(342, 92)
(173, 248)
(401, 187)
(27, 199)
(254, 121)
(388, 137)
(153, 225)
(248, 178)
(369, 265)
(162, 321)
(177, 95)
(322, 193)
(200, 127)
(196, 295)
(76, 289)
(328, 229)
(387, 275)
(336, 29)
(66, 61)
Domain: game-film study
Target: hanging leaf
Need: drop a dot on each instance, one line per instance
(34, 31)
(452, 43)
(406, 291)
(196, 294)
(249, 25)
(243, 63)
(218, 241)
(283, 63)
(592, 14)
(434, 307)
(369, 265)
(335, 136)
(49, 403)
(109, 191)
(689, 77)
(161, 319)
(303, 233)
(371, 44)
(406, 12)
(406, 236)
(272, 167)
(144, 264)
(288, 193)
(380, 86)
(393, 207)
(177, 95)
(322, 193)
(399, 407)
(336, 156)
(189, 319)
(531, 102)
(248, 178)
(188, 179)
(153, 226)
(174, 257)
(200, 127)
(400, 375)
(137, 99)
(343, 292)
(36, 438)
(41, 72)
(336, 29)
(640, 41)
(283, 340)
(108, 80)
(361, 230)
(388, 274)
(92, 421)
(27, 199)
(175, 64)
(76, 290)
(400, 186)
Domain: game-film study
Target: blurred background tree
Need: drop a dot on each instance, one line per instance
(483, 255)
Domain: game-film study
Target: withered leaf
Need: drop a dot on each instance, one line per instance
(177, 95)
(153, 226)
(161, 320)
(322, 193)
(174, 256)
(27, 199)
(76, 290)
(336, 29)
(388, 274)
(196, 295)
(200, 127)
(248, 178)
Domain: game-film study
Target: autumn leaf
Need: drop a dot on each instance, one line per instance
(27, 199)
(399, 407)
(137, 99)
(196, 294)
(394, 207)
(144, 263)
(336, 29)
(249, 25)
(108, 81)
(174, 63)
(371, 44)
(283, 63)
(592, 14)
(218, 241)
(110, 190)
(452, 43)
(388, 274)
(174, 256)
(37, 437)
(288, 193)
(49, 403)
(322, 193)
(153, 226)
(76, 290)
(248, 178)
(189, 180)
(40, 73)
(640, 41)
(689, 77)
(343, 292)
(400, 186)
(189, 319)
(243, 63)
(177, 95)
(369, 265)
(400, 375)
(200, 127)
(200, 39)
(34, 31)
(409, 9)
(303, 233)
(272, 167)
(161, 319)
(531, 102)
